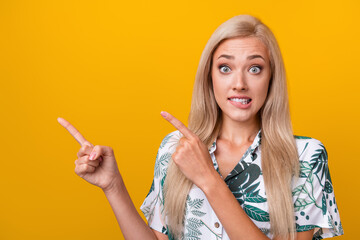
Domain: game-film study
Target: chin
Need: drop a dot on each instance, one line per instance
(241, 117)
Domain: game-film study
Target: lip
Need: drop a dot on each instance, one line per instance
(238, 104)
(239, 96)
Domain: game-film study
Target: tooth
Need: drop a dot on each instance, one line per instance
(241, 100)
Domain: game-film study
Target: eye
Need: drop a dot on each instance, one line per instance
(226, 68)
(255, 69)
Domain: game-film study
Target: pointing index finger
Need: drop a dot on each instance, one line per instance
(178, 125)
(74, 132)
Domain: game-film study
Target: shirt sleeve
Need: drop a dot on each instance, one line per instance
(153, 205)
(313, 194)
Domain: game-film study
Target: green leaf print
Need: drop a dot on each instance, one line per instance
(303, 149)
(319, 161)
(245, 183)
(302, 203)
(328, 187)
(191, 237)
(170, 235)
(250, 197)
(256, 213)
(165, 140)
(330, 222)
(162, 161)
(298, 190)
(149, 210)
(196, 203)
(305, 169)
(253, 156)
(341, 228)
(162, 181)
(252, 188)
(151, 188)
(306, 189)
(323, 204)
(266, 231)
(146, 211)
(305, 227)
(193, 224)
(301, 137)
(164, 230)
(192, 231)
(198, 213)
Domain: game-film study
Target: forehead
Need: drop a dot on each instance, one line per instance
(241, 47)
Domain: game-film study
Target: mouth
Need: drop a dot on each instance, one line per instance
(243, 101)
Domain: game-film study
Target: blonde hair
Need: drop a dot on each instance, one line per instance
(279, 154)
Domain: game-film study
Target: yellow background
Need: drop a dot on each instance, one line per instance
(110, 67)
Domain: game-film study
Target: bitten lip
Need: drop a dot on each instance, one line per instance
(240, 96)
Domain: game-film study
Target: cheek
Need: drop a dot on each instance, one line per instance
(219, 91)
(262, 92)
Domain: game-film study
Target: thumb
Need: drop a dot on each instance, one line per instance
(99, 151)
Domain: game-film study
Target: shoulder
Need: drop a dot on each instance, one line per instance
(309, 148)
(312, 191)
(166, 149)
(169, 142)
(313, 157)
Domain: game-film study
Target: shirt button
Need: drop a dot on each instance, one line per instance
(217, 225)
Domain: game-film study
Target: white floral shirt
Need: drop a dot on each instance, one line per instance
(313, 194)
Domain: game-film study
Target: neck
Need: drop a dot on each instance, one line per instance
(239, 133)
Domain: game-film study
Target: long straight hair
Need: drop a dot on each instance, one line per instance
(279, 156)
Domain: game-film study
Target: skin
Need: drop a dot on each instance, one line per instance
(239, 76)
(192, 156)
(103, 172)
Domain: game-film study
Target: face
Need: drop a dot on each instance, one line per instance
(240, 75)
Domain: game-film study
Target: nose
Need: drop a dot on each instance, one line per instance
(239, 82)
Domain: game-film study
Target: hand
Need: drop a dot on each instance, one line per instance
(101, 170)
(191, 155)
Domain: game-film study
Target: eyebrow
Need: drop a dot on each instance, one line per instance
(249, 57)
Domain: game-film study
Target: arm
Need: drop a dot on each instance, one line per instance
(130, 222)
(236, 222)
(193, 159)
(160, 236)
(97, 165)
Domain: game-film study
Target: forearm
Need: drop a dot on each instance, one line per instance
(236, 222)
(130, 222)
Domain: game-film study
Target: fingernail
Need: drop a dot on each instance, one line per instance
(164, 114)
(92, 156)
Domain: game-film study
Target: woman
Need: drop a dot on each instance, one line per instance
(201, 190)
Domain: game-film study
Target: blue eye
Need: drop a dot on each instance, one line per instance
(255, 67)
(224, 66)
